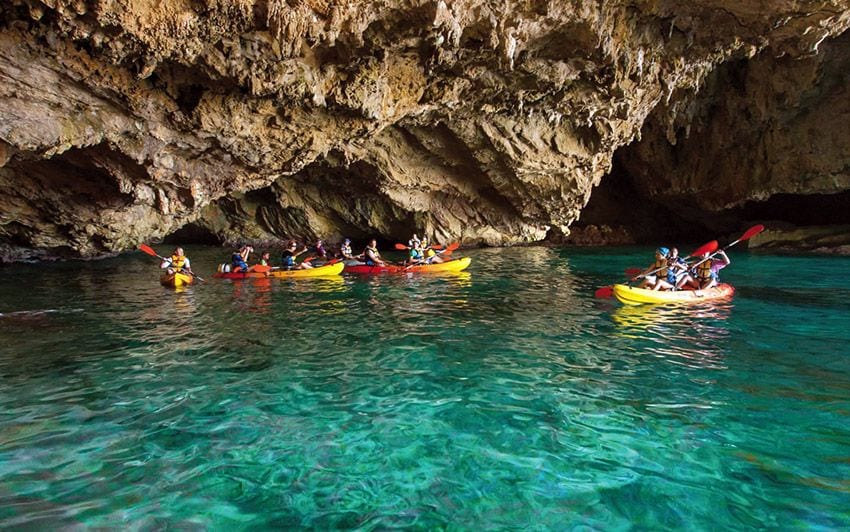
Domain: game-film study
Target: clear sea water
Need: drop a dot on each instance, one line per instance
(503, 397)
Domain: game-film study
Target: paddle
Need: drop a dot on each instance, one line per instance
(608, 291)
(149, 250)
(402, 247)
(748, 234)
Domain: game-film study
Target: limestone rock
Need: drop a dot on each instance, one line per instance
(490, 122)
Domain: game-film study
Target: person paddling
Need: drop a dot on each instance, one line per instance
(415, 255)
(289, 256)
(345, 249)
(707, 270)
(371, 254)
(239, 259)
(677, 273)
(656, 271)
(178, 262)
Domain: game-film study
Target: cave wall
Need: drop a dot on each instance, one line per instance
(486, 121)
(765, 139)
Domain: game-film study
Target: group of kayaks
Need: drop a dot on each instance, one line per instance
(624, 293)
(178, 279)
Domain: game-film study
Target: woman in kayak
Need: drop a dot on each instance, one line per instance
(289, 256)
(320, 250)
(707, 270)
(178, 262)
(239, 259)
(656, 271)
(371, 254)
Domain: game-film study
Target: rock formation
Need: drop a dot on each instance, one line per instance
(486, 121)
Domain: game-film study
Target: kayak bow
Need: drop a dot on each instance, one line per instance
(175, 280)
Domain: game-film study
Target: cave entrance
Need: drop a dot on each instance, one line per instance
(192, 233)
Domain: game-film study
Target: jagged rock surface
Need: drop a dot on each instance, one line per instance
(487, 121)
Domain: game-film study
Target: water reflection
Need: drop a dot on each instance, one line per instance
(691, 335)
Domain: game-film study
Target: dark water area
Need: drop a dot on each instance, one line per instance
(505, 397)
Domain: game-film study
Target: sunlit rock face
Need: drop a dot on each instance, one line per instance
(490, 122)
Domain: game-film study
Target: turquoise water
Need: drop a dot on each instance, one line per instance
(505, 397)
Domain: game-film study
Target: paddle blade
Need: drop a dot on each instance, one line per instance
(259, 268)
(631, 272)
(604, 293)
(147, 249)
(709, 247)
(453, 246)
(400, 247)
(751, 232)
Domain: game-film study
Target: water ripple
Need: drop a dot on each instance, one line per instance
(502, 397)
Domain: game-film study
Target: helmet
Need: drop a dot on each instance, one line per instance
(664, 251)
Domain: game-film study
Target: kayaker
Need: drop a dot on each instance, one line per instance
(371, 254)
(677, 273)
(414, 242)
(265, 257)
(345, 249)
(656, 271)
(707, 270)
(178, 262)
(432, 257)
(289, 256)
(416, 255)
(239, 259)
(320, 250)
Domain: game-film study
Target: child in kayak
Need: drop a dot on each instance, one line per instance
(265, 257)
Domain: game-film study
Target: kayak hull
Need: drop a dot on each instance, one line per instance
(320, 271)
(630, 295)
(175, 280)
(455, 265)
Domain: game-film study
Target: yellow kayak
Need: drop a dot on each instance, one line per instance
(175, 280)
(455, 265)
(630, 295)
(319, 271)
